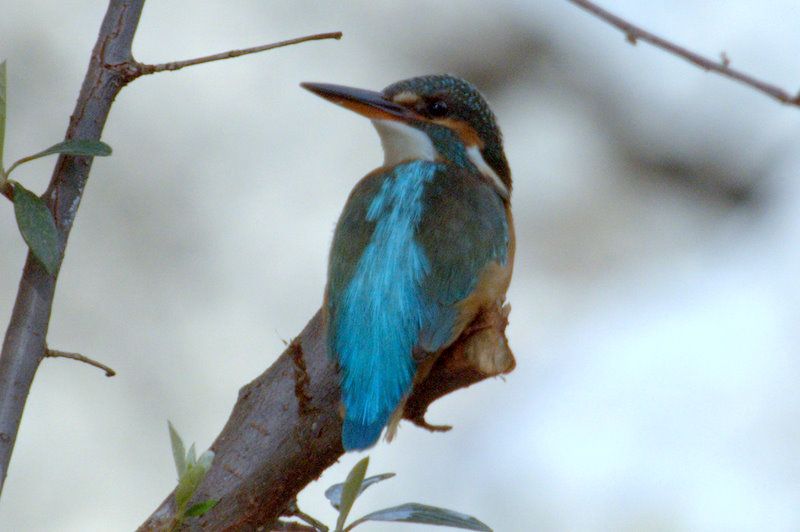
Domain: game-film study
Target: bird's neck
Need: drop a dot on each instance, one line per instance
(403, 143)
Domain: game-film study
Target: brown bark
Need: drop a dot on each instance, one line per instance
(285, 428)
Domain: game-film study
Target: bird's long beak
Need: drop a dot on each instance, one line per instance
(368, 103)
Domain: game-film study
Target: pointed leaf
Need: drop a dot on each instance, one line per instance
(2, 108)
(86, 148)
(413, 512)
(200, 509)
(191, 456)
(205, 460)
(187, 484)
(37, 227)
(334, 493)
(178, 450)
(350, 490)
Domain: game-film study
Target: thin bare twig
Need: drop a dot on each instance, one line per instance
(53, 353)
(722, 67)
(294, 511)
(133, 70)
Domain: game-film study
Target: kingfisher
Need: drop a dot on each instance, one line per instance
(424, 243)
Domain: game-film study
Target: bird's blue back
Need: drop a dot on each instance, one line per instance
(409, 245)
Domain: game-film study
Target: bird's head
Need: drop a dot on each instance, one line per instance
(438, 117)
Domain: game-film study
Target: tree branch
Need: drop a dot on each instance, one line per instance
(24, 345)
(634, 33)
(285, 428)
(53, 353)
(133, 69)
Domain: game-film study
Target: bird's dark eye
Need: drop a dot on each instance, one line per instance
(437, 108)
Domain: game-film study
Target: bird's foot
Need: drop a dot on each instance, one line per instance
(420, 422)
(486, 346)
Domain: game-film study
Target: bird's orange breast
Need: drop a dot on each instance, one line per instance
(493, 282)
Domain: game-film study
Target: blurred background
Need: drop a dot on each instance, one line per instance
(655, 299)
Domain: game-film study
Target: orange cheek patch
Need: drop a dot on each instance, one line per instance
(467, 134)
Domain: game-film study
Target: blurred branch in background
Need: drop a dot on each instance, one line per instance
(25, 346)
(634, 33)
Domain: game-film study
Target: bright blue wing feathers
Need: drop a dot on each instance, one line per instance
(376, 312)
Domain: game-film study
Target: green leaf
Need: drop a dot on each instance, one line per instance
(3, 83)
(187, 485)
(191, 456)
(200, 509)
(86, 148)
(413, 512)
(350, 490)
(205, 460)
(178, 450)
(37, 227)
(334, 493)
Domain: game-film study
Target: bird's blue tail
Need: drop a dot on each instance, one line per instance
(357, 436)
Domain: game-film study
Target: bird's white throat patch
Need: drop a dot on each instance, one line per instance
(402, 142)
